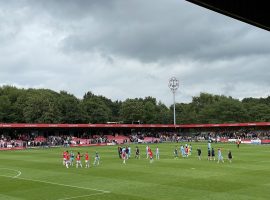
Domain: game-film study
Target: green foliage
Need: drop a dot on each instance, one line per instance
(97, 109)
(47, 106)
(163, 114)
(5, 106)
(41, 107)
(71, 109)
(132, 110)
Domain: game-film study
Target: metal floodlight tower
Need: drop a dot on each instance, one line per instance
(173, 85)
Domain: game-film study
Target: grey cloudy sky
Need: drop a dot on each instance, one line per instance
(131, 48)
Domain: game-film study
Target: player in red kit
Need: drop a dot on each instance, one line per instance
(124, 157)
(78, 160)
(67, 158)
(64, 157)
(87, 163)
(151, 156)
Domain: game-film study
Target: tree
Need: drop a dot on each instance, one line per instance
(47, 106)
(163, 114)
(185, 114)
(132, 110)
(259, 113)
(5, 107)
(41, 107)
(71, 109)
(149, 113)
(97, 111)
(226, 110)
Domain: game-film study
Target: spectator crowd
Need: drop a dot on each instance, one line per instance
(36, 139)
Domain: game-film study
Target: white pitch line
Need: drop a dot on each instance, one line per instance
(18, 172)
(81, 196)
(61, 184)
(48, 182)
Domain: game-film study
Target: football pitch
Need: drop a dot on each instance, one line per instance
(36, 174)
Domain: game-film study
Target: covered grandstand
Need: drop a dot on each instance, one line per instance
(29, 135)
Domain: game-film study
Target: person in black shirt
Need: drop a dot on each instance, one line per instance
(230, 156)
(199, 153)
(120, 152)
(209, 154)
(127, 152)
(213, 154)
(137, 153)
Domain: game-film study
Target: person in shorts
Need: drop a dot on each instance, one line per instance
(230, 156)
(199, 153)
(220, 157)
(78, 160)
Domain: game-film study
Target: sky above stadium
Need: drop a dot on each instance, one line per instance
(131, 48)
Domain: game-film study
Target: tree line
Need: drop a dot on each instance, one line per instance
(47, 106)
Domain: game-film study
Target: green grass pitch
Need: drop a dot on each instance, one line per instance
(38, 174)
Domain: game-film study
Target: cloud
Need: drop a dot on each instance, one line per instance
(126, 49)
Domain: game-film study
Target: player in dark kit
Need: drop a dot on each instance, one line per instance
(137, 153)
(209, 154)
(238, 143)
(230, 156)
(199, 153)
(213, 154)
(175, 153)
(120, 152)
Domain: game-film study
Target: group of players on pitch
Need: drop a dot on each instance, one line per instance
(69, 158)
(211, 154)
(125, 153)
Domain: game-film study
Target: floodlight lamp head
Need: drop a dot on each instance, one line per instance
(173, 84)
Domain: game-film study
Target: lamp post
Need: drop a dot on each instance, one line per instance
(173, 85)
